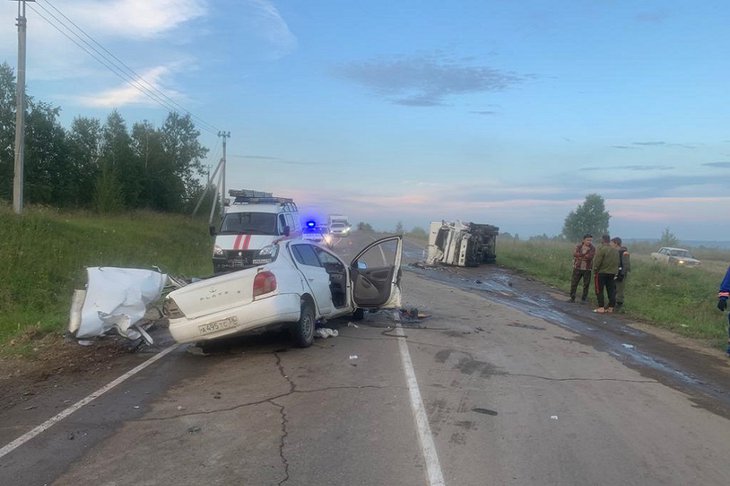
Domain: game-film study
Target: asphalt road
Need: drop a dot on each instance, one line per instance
(518, 387)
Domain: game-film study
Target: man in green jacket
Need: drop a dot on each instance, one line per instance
(605, 268)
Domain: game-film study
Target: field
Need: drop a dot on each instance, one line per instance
(680, 299)
(44, 253)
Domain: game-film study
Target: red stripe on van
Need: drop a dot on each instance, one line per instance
(246, 242)
(237, 242)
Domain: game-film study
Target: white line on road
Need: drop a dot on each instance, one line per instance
(54, 420)
(433, 468)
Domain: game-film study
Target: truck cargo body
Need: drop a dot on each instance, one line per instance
(461, 244)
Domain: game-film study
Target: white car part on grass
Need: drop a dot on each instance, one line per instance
(115, 298)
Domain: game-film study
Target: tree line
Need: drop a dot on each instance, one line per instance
(100, 166)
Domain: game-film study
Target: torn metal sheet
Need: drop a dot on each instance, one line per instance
(115, 298)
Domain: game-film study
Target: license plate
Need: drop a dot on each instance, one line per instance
(226, 323)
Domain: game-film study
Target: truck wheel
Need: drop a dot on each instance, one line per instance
(358, 315)
(304, 328)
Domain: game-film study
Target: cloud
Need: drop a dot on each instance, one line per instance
(425, 81)
(721, 165)
(623, 147)
(267, 23)
(651, 144)
(271, 160)
(135, 18)
(664, 144)
(131, 94)
(638, 168)
(484, 112)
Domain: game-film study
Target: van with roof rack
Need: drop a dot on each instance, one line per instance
(252, 221)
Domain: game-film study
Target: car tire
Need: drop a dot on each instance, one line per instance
(358, 315)
(304, 328)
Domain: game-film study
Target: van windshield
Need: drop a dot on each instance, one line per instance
(249, 223)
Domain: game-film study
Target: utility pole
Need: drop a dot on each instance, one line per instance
(20, 112)
(224, 135)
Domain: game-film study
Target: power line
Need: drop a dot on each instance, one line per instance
(127, 68)
(112, 62)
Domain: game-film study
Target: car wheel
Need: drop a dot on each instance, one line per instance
(358, 315)
(304, 328)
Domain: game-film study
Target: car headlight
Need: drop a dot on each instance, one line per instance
(217, 251)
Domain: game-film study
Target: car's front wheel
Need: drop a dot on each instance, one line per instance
(304, 328)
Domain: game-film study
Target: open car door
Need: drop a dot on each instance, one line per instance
(375, 274)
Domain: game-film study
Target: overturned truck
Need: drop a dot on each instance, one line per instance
(461, 244)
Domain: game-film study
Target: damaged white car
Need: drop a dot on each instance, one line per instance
(295, 282)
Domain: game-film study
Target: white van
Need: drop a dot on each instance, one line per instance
(252, 221)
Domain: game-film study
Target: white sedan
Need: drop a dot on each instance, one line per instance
(675, 256)
(295, 281)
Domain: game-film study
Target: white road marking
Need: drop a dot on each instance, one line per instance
(425, 438)
(54, 420)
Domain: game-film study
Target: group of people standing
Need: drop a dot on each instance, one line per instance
(609, 265)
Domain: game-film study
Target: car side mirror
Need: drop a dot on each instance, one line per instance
(361, 265)
(211, 230)
(287, 231)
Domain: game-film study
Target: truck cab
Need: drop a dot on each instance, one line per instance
(252, 221)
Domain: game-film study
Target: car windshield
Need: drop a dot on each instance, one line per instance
(681, 253)
(249, 223)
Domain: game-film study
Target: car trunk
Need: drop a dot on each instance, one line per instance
(216, 294)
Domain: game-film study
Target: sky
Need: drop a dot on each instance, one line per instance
(492, 111)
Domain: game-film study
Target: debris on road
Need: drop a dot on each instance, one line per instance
(628, 346)
(352, 324)
(353, 356)
(554, 417)
(325, 332)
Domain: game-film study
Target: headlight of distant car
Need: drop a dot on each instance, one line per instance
(217, 251)
(680, 262)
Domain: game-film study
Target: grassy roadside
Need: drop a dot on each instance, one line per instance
(44, 253)
(680, 299)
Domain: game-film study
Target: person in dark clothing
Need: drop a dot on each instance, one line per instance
(722, 296)
(624, 267)
(605, 268)
(582, 266)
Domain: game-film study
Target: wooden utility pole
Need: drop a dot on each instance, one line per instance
(20, 112)
(224, 135)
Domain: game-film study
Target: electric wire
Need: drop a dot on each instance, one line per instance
(113, 63)
(129, 69)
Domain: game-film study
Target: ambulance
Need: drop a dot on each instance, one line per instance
(252, 221)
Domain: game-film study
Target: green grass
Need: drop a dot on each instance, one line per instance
(680, 299)
(44, 253)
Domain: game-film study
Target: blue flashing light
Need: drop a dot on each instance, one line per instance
(311, 224)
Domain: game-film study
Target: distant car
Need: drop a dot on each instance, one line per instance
(314, 233)
(339, 229)
(296, 282)
(675, 256)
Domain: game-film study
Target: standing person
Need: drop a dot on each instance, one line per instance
(582, 265)
(624, 267)
(605, 268)
(722, 296)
